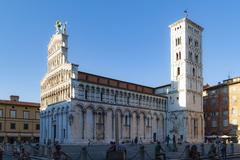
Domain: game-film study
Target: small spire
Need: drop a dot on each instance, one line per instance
(186, 13)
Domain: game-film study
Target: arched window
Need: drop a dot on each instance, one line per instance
(178, 71)
(127, 119)
(196, 58)
(99, 118)
(176, 56)
(190, 56)
(148, 121)
(87, 93)
(193, 71)
(115, 97)
(102, 94)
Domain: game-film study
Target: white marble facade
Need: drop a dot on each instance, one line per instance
(75, 110)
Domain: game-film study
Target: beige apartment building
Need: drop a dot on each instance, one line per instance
(221, 104)
(19, 121)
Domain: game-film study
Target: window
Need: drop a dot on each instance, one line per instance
(25, 115)
(196, 58)
(37, 126)
(178, 41)
(189, 40)
(196, 31)
(190, 56)
(126, 120)
(214, 123)
(196, 43)
(193, 71)
(148, 121)
(190, 28)
(13, 113)
(195, 123)
(86, 94)
(12, 126)
(176, 56)
(194, 99)
(37, 115)
(1, 113)
(179, 55)
(178, 71)
(225, 113)
(225, 123)
(25, 126)
(0, 126)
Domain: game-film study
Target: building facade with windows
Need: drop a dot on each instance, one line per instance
(19, 121)
(221, 104)
(78, 107)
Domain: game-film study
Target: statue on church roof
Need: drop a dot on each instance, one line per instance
(60, 28)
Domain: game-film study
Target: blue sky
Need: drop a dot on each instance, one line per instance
(122, 39)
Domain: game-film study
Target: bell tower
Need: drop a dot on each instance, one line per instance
(185, 100)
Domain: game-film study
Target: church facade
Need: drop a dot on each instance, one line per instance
(78, 107)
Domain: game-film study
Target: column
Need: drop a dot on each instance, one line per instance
(151, 128)
(144, 126)
(83, 123)
(130, 123)
(138, 117)
(41, 130)
(57, 125)
(94, 124)
(64, 125)
(105, 123)
(113, 125)
(158, 135)
(67, 125)
(62, 134)
(60, 126)
(121, 122)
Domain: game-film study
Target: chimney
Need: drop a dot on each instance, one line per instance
(14, 98)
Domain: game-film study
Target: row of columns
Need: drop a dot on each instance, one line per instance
(79, 125)
(56, 96)
(91, 93)
(114, 128)
(54, 126)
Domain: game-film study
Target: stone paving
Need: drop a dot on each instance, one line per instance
(98, 152)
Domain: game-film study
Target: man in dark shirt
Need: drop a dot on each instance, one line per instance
(159, 152)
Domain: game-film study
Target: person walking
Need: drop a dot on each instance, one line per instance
(60, 155)
(167, 140)
(224, 150)
(24, 155)
(136, 140)
(159, 152)
(174, 144)
(1, 152)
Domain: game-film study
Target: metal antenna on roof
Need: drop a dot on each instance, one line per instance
(186, 13)
(229, 76)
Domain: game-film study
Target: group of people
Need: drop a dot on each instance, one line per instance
(218, 150)
(116, 148)
(167, 140)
